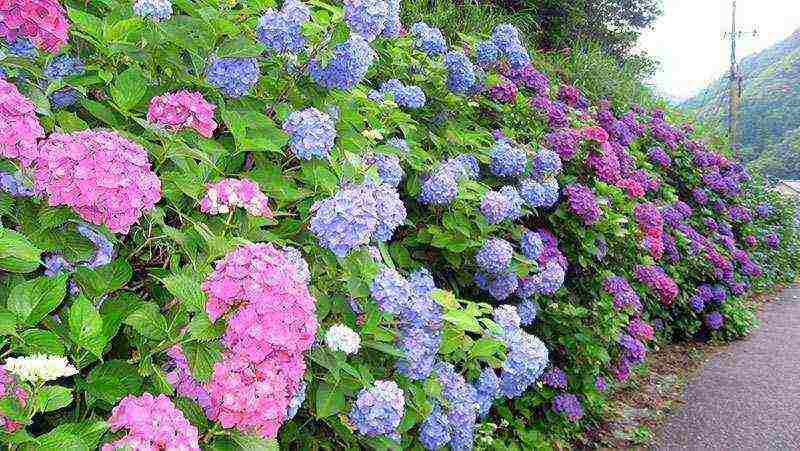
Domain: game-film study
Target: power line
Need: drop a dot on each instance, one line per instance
(735, 78)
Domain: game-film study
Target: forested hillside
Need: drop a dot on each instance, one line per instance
(769, 119)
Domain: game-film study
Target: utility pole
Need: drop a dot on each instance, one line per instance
(735, 79)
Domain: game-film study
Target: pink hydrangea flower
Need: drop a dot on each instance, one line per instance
(9, 387)
(226, 194)
(19, 126)
(43, 22)
(596, 134)
(105, 178)
(153, 423)
(183, 109)
(263, 365)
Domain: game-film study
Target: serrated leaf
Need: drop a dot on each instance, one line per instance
(105, 279)
(241, 47)
(12, 409)
(32, 300)
(8, 322)
(201, 358)
(36, 341)
(186, 287)
(113, 380)
(88, 432)
(202, 329)
(17, 253)
(115, 310)
(148, 321)
(52, 397)
(86, 326)
(129, 88)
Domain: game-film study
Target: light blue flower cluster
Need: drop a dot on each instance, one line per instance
(281, 30)
(312, 133)
(428, 39)
(419, 346)
(441, 188)
(486, 53)
(366, 18)
(435, 430)
(546, 163)
(463, 166)
(60, 67)
(527, 309)
(507, 160)
(233, 76)
(399, 144)
(22, 48)
(14, 185)
(507, 318)
(539, 194)
(294, 257)
(526, 360)
(497, 206)
(388, 166)
(393, 26)
(495, 256)
(462, 406)
(461, 76)
(55, 263)
(347, 67)
(378, 410)
(103, 249)
(531, 245)
(391, 291)
(408, 96)
(488, 390)
(508, 41)
(155, 10)
(356, 216)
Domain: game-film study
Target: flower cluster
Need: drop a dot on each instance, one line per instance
(312, 133)
(539, 194)
(103, 249)
(658, 156)
(342, 338)
(714, 320)
(8, 388)
(428, 39)
(441, 187)
(19, 125)
(506, 160)
(356, 216)
(651, 224)
(461, 74)
(58, 68)
(104, 177)
(568, 405)
(505, 91)
(347, 67)
(225, 195)
(582, 203)
(495, 256)
(526, 360)
(233, 76)
(262, 364)
(555, 378)
(546, 163)
(388, 166)
(40, 368)
(623, 294)
(655, 278)
(42, 22)
(367, 18)
(497, 206)
(408, 96)
(508, 41)
(378, 410)
(155, 10)
(281, 30)
(151, 422)
(183, 109)
(527, 77)
(461, 412)
(14, 185)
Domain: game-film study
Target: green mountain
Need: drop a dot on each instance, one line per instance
(769, 117)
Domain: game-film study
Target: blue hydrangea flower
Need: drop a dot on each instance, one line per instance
(345, 221)
(460, 73)
(515, 202)
(539, 194)
(14, 185)
(552, 278)
(494, 256)
(531, 245)
(155, 10)
(390, 210)
(507, 160)
(54, 264)
(527, 309)
(347, 67)
(22, 48)
(390, 290)
(296, 401)
(463, 165)
(527, 287)
(366, 18)
(441, 188)
(64, 66)
(505, 35)
(312, 133)
(488, 390)
(546, 163)
(378, 410)
(506, 316)
(526, 360)
(407, 96)
(428, 39)
(388, 166)
(399, 144)
(233, 76)
(494, 207)
(517, 56)
(103, 249)
(502, 286)
(486, 53)
(281, 30)
(422, 283)
(294, 257)
(555, 378)
(63, 98)
(393, 26)
(3, 74)
(419, 346)
(463, 405)
(435, 430)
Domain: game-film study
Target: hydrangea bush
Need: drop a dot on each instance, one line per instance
(270, 225)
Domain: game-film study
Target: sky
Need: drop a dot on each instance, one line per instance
(688, 39)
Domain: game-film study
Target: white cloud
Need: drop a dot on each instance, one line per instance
(688, 38)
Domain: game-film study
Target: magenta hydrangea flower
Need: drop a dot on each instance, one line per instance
(262, 366)
(183, 109)
(43, 22)
(656, 279)
(9, 387)
(227, 194)
(152, 423)
(640, 330)
(19, 126)
(104, 177)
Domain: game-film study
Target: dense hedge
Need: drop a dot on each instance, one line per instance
(345, 234)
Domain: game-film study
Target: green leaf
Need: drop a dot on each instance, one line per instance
(385, 348)
(148, 321)
(186, 287)
(193, 412)
(113, 380)
(105, 279)
(32, 300)
(17, 253)
(201, 358)
(52, 397)
(485, 347)
(86, 22)
(241, 47)
(13, 410)
(463, 320)
(330, 400)
(60, 440)
(129, 88)
(8, 322)
(86, 326)
(115, 310)
(252, 443)
(88, 432)
(202, 329)
(100, 111)
(36, 341)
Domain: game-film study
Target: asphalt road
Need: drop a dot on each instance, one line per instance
(748, 396)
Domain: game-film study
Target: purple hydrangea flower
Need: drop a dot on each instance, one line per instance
(463, 405)
(555, 378)
(507, 160)
(495, 256)
(390, 290)
(347, 67)
(527, 310)
(281, 30)
(428, 39)
(714, 320)
(546, 163)
(600, 383)
(623, 294)
(488, 390)
(502, 286)
(772, 240)
(515, 202)
(441, 188)
(312, 133)
(700, 196)
(233, 76)
(764, 210)
(388, 166)
(658, 156)
(569, 405)
(104, 250)
(495, 207)
(378, 410)
(506, 317)
(583, 203)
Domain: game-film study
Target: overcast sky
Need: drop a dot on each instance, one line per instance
(688, 41)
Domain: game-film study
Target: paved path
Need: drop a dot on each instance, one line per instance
(748, 396)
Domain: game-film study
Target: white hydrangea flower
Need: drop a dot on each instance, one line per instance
(342, 338)
(40, 367)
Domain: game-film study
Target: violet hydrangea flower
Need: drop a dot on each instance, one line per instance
(582, 203)
(281, 30)
(379, 409)
(569, 405)
(312, 133)
(233, 76)
(494, 256)
(346, 68)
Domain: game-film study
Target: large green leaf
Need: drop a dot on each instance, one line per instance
(330, 400)
(32, 300)
(148, 321)
(17, 253)
(201, 358)
(129, 88)
(52, 397)
(186, 287)
(113, 380)
(86, 326)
